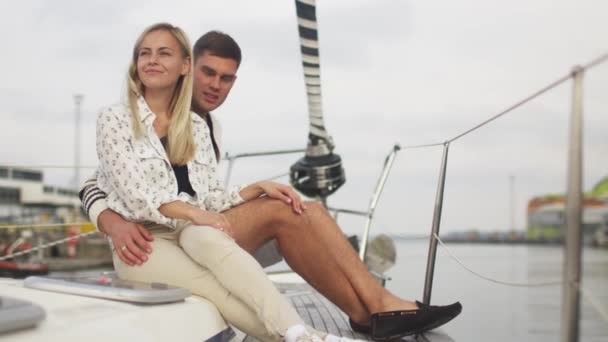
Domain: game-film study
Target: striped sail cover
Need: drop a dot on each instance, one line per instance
(309, 46)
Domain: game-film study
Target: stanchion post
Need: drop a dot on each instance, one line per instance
(430, 263)
(574, 199)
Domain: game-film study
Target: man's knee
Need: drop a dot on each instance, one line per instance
(288, 218)
(280, 213)
(315, 207)
(294, 222)
(269, 212)
(314, 211)
(282, 216)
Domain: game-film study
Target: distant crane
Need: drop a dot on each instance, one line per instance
(78, 98)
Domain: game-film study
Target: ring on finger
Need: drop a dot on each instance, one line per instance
(123, 248)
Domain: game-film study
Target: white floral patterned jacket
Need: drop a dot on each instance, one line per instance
(137, 176)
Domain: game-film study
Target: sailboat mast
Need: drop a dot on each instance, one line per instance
(320, 172)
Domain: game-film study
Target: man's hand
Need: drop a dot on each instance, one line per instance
(207, 218)
(283, 193)
(130, 240)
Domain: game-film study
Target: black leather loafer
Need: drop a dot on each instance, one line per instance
(421, 305)
(367, 329)
(362, 329)
(392, 325)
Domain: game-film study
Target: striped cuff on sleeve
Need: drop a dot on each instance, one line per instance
(95, 209)
(93, 200)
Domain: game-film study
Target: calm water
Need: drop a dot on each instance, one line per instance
(495, 312)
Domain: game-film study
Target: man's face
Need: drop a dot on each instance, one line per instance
(213, 79)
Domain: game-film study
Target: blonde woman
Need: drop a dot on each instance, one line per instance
(158, 167)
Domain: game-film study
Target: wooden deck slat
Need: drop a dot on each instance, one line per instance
(319, 313)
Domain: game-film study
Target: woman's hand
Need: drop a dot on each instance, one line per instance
(207, 218)
(283, 193)
(131, 241)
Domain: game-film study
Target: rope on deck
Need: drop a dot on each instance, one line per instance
(41, 225)
(593, 301)
(479, 275)
(47, 245)
(586, 293)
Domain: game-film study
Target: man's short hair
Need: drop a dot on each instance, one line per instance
(217, 44)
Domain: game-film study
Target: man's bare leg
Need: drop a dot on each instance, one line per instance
(258, 221)
(375, 297)
(315, 247)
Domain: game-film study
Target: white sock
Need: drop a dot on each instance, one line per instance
(332, 338)
(294, 332)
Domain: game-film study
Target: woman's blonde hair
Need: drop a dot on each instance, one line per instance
(181, 147)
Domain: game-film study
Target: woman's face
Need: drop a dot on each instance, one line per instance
(160, 62)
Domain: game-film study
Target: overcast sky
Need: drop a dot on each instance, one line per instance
(408, 72)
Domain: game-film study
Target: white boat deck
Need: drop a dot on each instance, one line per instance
(78, 318)
(75, 318)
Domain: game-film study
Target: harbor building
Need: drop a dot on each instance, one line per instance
(547, 218)
(24, 198)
